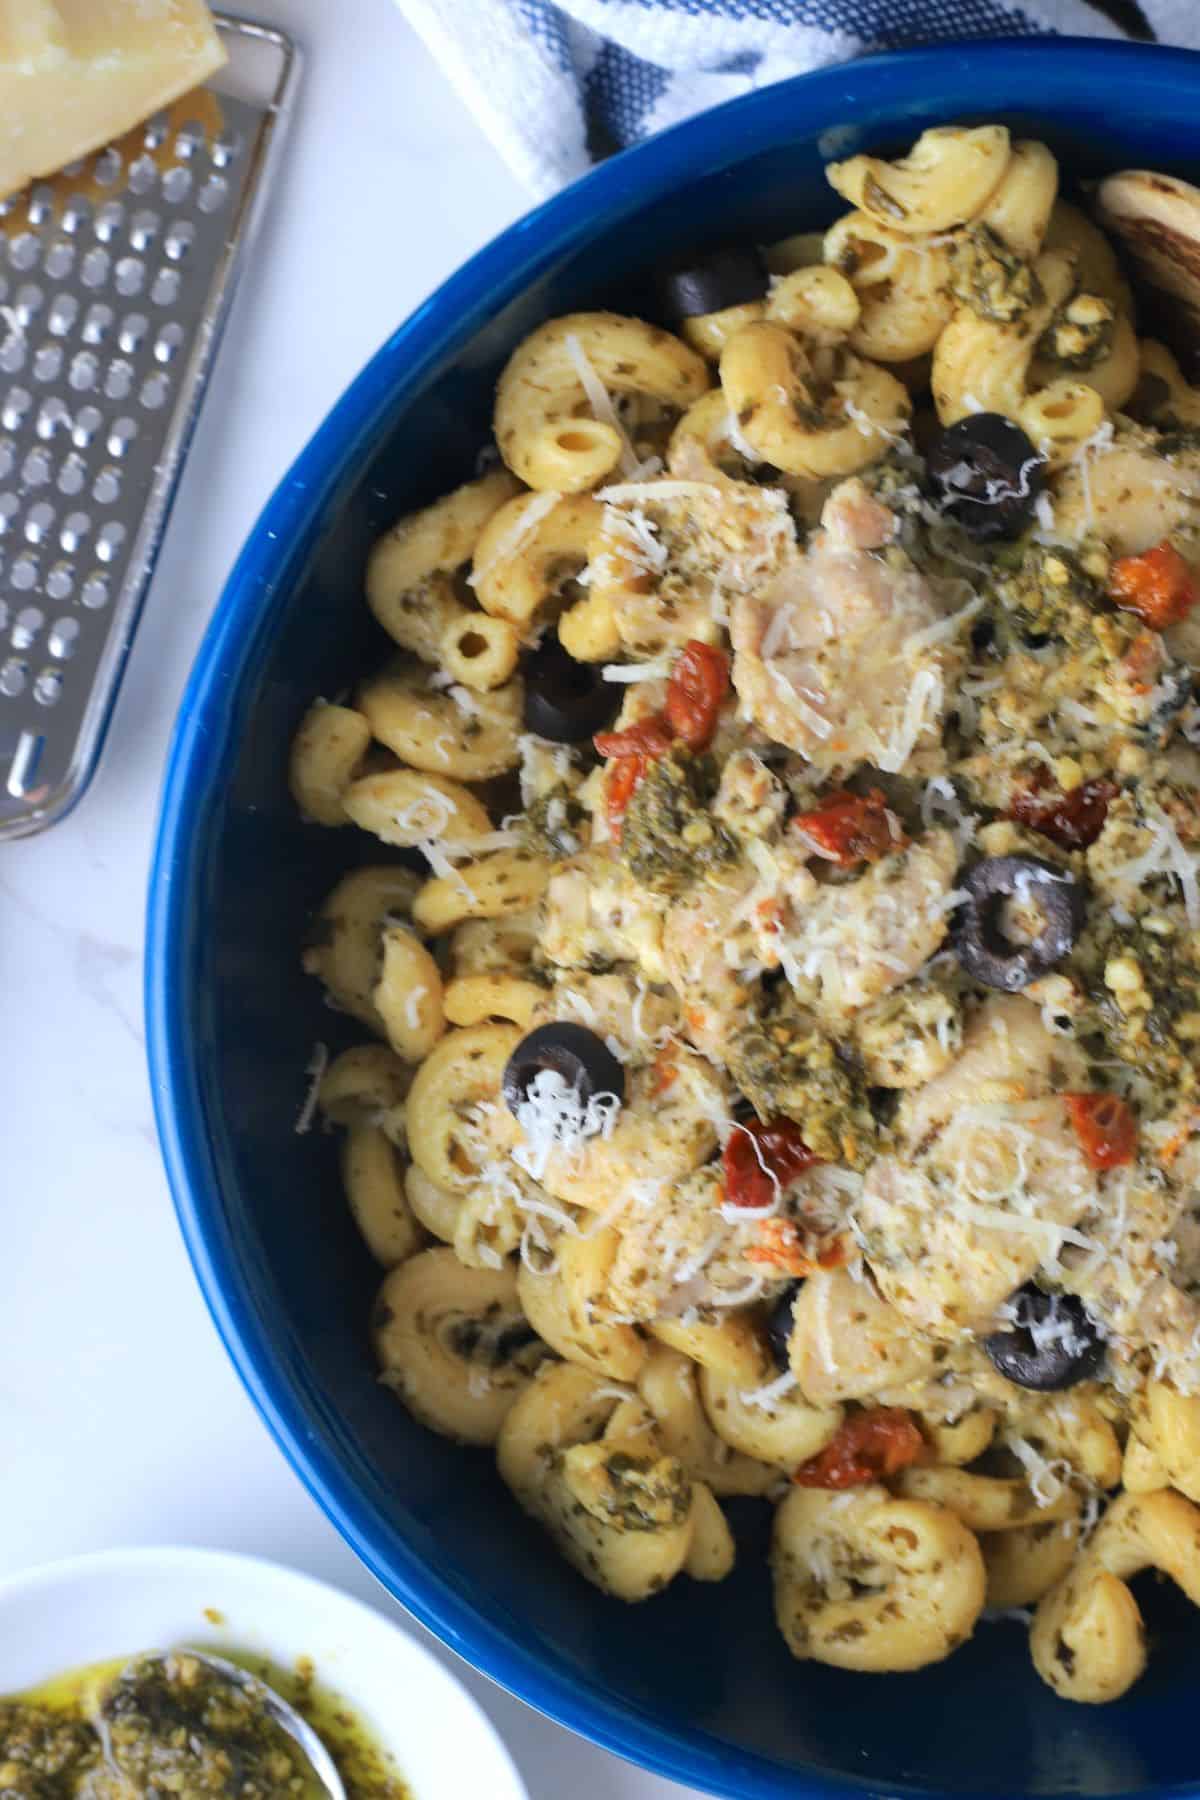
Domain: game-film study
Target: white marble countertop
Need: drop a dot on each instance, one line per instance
(386, 186)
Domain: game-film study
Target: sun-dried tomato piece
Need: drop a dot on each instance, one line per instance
(647, 737)
(850, 828)
(1105, 1127)
(1073, 820)
(759, 1160)
(1157, 585)
(869, 1446)
(695, 693)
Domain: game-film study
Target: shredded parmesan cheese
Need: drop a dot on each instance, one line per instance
(315, 1069)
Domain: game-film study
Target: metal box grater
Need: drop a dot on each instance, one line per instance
(115, 280)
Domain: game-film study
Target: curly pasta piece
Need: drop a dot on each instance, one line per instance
(453, 1344)
(409, 572)
(669, 1386)
(373, 1179)
(870, 1582)
(782, 1429)
(366, 1085)
(546, 420)
(947, 178)
(1168, 1425)
(443, 731)
(814, 413)
(986, 365)
(565, 1305)
(529, 552)
(1023, 1565)
(1087, 1639)
(327, 751)
(590, 1467)
(902, 284)
(346, 948)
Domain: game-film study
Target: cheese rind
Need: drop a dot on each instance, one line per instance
(75, 74)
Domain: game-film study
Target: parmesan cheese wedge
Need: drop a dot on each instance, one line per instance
(74, 74)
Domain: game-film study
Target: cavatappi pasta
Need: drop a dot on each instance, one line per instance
(786, 1065)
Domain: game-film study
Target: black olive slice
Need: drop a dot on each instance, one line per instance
(779, 1324)
(984, 951)
(729, 277)
(1054, 1342)
(987, 475)
(584, 1061)
(566, 701)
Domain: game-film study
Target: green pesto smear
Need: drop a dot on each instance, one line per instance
(131, 1729)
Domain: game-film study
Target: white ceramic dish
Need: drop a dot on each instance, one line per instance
(91, 1608)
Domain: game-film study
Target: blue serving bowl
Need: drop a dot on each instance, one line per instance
(696, 1684)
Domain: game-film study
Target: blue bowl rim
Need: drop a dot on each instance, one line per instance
(281, 537)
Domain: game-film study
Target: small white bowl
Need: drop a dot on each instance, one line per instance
(66, 1615)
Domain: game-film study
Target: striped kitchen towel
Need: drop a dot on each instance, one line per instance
(558, 84)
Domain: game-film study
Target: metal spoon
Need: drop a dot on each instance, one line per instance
(289, 1721)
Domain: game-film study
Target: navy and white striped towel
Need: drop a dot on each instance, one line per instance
(559, 83)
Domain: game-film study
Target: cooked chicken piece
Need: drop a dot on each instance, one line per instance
(710, 956)
(616, 1006)
(855, 942)
(750, 799)
(1141, 1255)
(665, 1129)
(909, 1036)
(678, 1252)
(1008, 1056)
(991, 1180)
(1129, 494)
(669, 563)
(856, 520)
(726, 932)
(838, 656)
(594, 912)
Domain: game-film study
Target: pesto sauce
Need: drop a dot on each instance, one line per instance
(177, 1737)
(669, 838)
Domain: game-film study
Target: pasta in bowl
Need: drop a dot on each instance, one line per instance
(697, 1681)
(785, 1082)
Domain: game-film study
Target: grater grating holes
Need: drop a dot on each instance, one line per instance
(100, 306)
(181, 235)
(168, 342)
(88, 421)
(76, 527)
(36, 469)
(154, 392)
(130, 275)
(133, 330)
(144, 228)
(107, 166)
(177, 184)
(26, 626)
(38, 521)
(60, 581)
(72, 476)
(213, 194)
(61, 641)
(119, 379)
(108, 221)
(47, 362)
(93, 270)
(165, 291)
